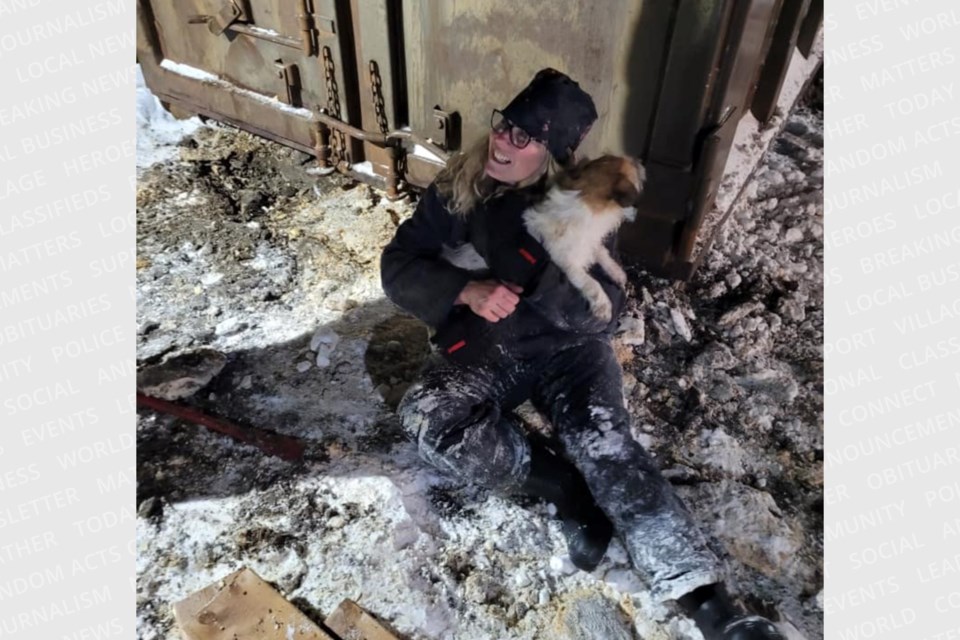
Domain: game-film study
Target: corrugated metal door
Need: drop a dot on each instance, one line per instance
(747, 41)
(383, 80)
(265, 65)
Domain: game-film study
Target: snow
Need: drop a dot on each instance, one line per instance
(365, 168)
(200, 75)
(158, 132)
(422, 152)
(680, 324)
(187, 71)
(323, 336)
(260, 31)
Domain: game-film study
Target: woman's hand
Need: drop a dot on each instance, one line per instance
(490, 299)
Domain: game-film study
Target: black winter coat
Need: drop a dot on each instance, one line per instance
(417, 275)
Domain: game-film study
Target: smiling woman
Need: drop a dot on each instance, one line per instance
(513, 327)
(513, 155)
(512, 164)
(530, 142)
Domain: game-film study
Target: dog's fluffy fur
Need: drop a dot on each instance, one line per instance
(585, 206)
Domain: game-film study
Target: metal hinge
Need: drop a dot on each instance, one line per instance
(313, 28)
(291, 80)
(308, 36)
(227, 15)
(446, 129)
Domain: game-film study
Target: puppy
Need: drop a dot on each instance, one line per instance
(585, 206)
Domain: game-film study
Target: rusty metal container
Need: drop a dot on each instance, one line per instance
(387, 89)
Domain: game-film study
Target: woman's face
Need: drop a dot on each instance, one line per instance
(509, 164)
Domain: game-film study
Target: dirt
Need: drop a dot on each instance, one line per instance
(245, 250)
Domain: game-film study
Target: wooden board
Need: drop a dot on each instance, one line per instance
(243, 607)
(351, 622)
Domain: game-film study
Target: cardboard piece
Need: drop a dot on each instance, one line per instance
(243, 607)
(351, 622)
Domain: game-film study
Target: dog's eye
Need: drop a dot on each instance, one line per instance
(626, 195)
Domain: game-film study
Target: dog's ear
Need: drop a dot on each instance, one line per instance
(574, 169)
(625, 194)
(641, 173)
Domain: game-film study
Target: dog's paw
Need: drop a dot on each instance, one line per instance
(601, 307)
(619, 276)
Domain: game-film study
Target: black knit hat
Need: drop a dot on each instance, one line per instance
(554, 110)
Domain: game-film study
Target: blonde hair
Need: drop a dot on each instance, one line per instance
(464, 184)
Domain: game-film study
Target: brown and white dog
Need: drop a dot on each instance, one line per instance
(586, 205)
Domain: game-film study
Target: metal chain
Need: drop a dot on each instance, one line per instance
(338, 144)
(380, 110)
(376, 91)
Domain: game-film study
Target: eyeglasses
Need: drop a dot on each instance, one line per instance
(518, 137)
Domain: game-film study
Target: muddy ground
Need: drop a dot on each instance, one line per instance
(245, 250)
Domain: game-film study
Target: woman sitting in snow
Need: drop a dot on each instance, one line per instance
(513, 329)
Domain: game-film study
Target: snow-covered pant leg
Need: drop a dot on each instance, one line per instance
(454, 414)
(581, 391)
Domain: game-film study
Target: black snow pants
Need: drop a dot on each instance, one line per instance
(461, 418)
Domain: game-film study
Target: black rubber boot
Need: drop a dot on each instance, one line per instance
(585, 526)
(719, 619)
